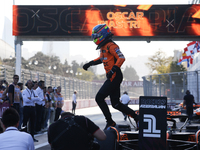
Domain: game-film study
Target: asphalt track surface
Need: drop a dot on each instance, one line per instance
(94, 114)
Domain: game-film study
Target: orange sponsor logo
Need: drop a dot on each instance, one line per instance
(123, 137)
(173, 113)
(191, 138)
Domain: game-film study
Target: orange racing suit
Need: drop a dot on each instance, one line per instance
(110, 55)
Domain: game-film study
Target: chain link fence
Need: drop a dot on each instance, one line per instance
(172, 85)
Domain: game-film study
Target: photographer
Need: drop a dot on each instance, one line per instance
(73, 133)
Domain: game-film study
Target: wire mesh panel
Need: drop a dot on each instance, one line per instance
(2, 72)
(193, 83)
(172, 85)
(85, 89)
(9, 72)
(47, 80)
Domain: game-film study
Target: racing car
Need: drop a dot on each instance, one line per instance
(123, 137)
(181, 110)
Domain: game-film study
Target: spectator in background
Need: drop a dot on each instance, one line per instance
(47, 107)
(44, 113)
(21, 104)
(3, 99)
(3, 91)
(125, 99)
(29, 100)
(49, 101)
(13, 93)
(60, 102)
(12, 138)
(35, 85)
(74, 102)
(188, 101)
(40, 106)
(54, 105)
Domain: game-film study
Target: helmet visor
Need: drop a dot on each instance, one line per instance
(96, 35)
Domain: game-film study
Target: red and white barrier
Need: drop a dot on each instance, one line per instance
(85, 103)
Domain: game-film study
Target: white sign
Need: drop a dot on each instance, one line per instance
(133, 83)
(151, 130)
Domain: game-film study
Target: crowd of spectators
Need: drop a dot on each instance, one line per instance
(36, 109)
(37, 105)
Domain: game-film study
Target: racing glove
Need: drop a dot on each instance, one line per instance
(112, 71)
(87, 65)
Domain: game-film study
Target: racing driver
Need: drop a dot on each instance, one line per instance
(112, 59)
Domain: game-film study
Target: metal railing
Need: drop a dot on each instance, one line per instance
(85, 89)
(172, 85)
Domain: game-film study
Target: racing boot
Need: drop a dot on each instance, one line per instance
(136, 118)
(111, 123)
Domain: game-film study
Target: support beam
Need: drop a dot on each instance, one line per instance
(18, 44)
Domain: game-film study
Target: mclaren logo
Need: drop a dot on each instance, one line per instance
(151, 130)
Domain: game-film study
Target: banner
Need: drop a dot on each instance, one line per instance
(132, 83)
(152, 122)
(3, 107)
(123, 20)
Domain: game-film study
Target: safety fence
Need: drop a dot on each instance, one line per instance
(172, 85)
(85, 89)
